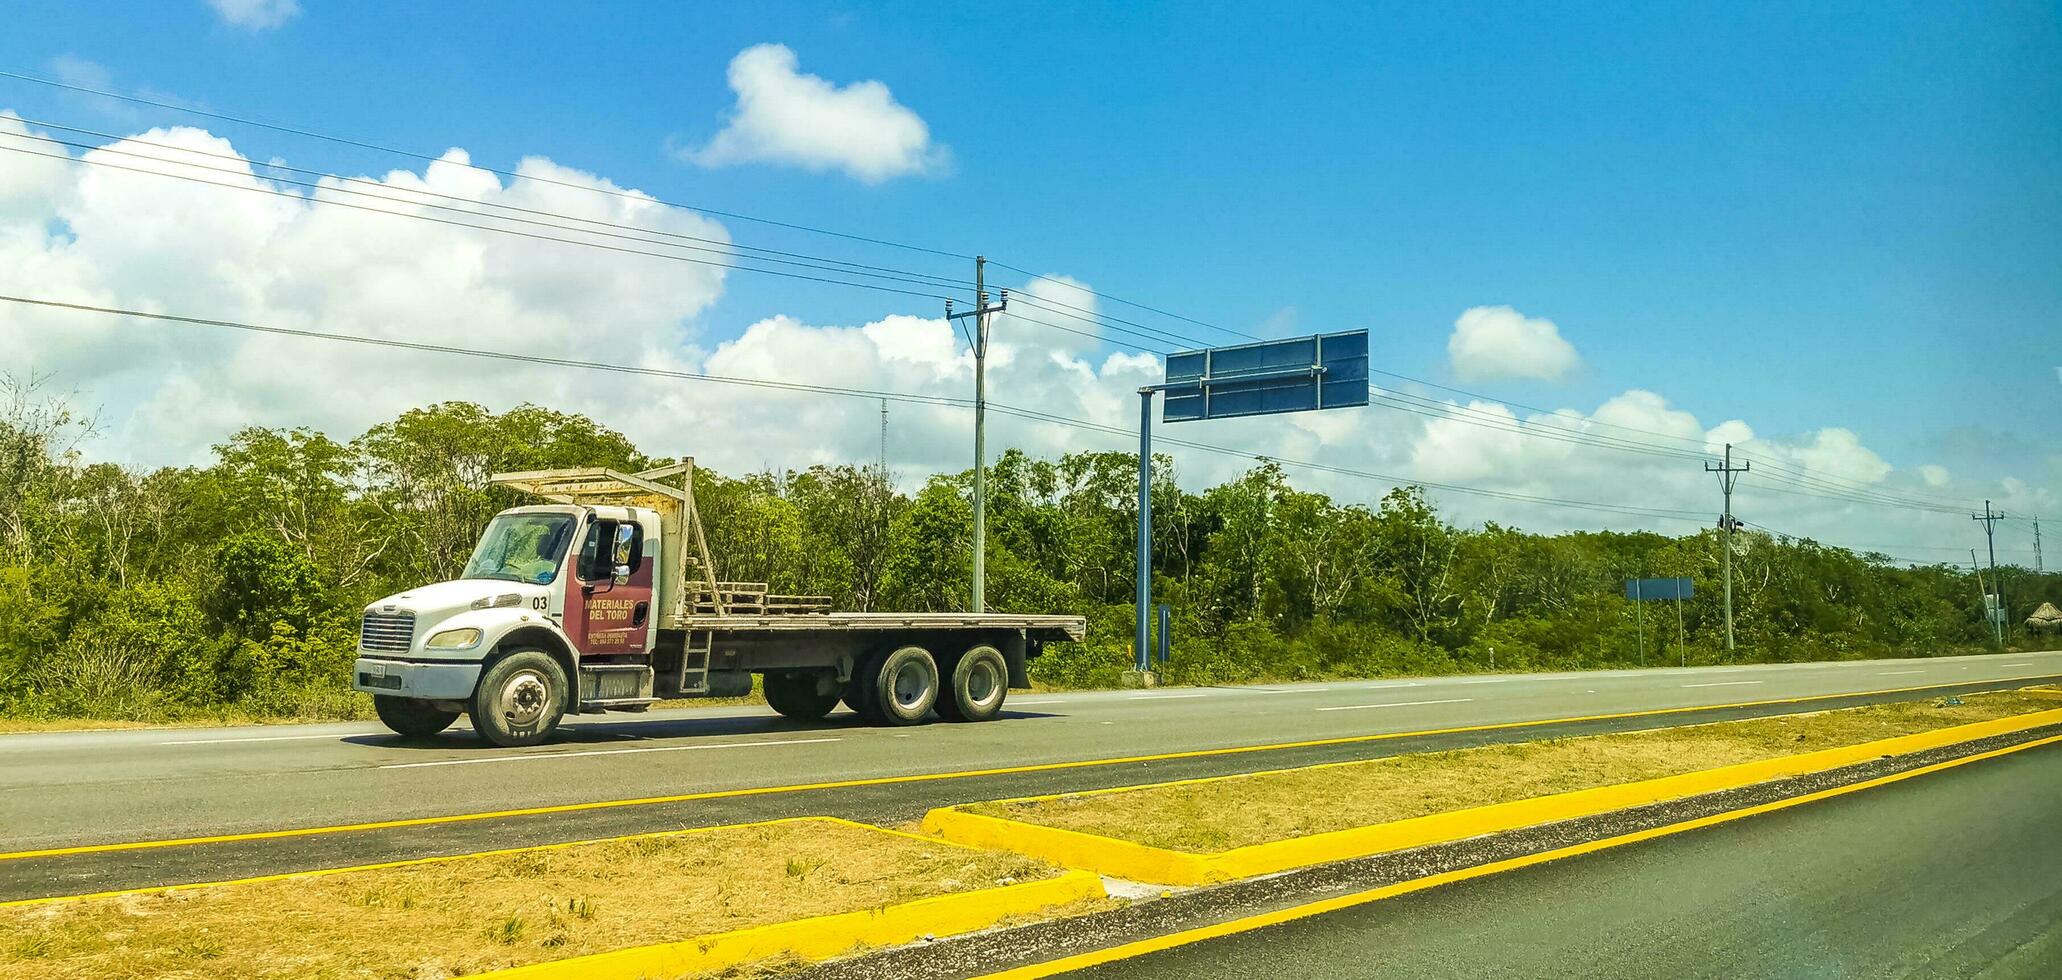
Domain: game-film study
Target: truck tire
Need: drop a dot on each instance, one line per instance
(796, 695)
(905, 687)
(412, 717)
(979, 683)
(520, 699)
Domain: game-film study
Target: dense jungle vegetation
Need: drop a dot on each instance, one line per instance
(232, 589)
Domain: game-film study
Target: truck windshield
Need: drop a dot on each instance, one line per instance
(521, 548)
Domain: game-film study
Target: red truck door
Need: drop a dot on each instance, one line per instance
(607, 612)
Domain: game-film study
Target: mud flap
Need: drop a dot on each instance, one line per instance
(1015, 651)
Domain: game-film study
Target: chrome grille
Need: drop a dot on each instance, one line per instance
(387, 631)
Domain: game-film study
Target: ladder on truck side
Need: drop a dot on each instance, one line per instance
(695, 653)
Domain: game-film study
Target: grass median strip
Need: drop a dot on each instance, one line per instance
(1221, 814)
(453, 917)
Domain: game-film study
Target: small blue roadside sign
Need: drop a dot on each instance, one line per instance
(1297, 375)
(1659, 588)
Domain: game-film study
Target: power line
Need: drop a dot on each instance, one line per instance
(488, 228)
(376, 147)
(1445, 411)
(935, 400)
(1830, 483)
(497, 217)
(723, 244)
(795, 386)
(1126, 302)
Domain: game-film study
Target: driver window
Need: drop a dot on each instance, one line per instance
(590, 549)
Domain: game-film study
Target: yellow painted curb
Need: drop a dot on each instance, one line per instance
(821, 937)
(1154, 944)
(1138, 862)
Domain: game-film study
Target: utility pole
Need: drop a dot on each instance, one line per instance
(979, 341)
(1727, 475)
(2037, 569)
(884, 439)
(1997, 619)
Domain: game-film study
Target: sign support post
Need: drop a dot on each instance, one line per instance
(1141, 648)
(1300, 374)
(1682, 642)
(1639, 618)
(1678, 589)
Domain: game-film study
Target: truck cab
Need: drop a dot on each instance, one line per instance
(605, 599)
(574, 583)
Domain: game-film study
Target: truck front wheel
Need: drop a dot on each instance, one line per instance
(980, 681)
(905, 687)
(412, 717)
(799, 694)
(520, 699)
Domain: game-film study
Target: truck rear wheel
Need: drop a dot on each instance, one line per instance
(520, 699)
(979, 683)
(799, 695)
(905, 687)
(412, 717)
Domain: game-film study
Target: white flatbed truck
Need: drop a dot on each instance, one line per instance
(605, 599)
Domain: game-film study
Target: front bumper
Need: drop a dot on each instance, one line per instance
(414, 679)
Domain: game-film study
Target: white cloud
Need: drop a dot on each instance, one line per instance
(1500, 342)
(1052, 311)
(256, 15)
(785, 116)
(111, 238)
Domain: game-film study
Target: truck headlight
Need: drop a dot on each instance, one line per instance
(454, 639)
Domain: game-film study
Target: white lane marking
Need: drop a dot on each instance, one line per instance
(1395, 704)
(1385, 687)
(1506, 680)
(1163, 697)
(2015, 665)
(1301, 690)
(581, 755)
(1051, 701)
(1725, 684)
(264, 738)
(1894, 673)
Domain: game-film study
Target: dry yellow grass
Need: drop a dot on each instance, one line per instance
(18, 726)
(1222, 814)
(448, 919)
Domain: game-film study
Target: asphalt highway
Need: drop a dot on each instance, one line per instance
(1951, 874)
(85, 812)
(79, 788)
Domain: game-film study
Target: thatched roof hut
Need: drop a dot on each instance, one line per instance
(2047, 617)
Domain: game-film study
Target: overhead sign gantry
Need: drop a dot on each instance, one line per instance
(1268, 378)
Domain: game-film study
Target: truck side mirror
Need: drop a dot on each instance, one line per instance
(628, 550)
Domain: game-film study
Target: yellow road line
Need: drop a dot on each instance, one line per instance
(1082, 961)
(941, 776)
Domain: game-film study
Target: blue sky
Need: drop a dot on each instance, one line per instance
(1836, 215)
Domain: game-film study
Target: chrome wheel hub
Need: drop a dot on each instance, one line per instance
(525, 698)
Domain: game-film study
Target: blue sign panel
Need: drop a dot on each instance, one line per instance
(1658, 588)
(1300, 375)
